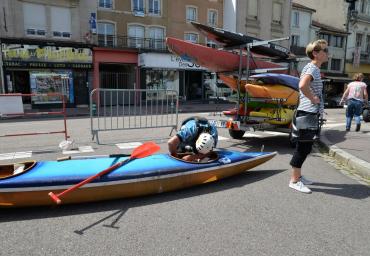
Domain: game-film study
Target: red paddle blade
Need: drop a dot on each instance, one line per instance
(147, 149)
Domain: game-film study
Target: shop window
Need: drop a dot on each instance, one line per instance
(154, 7)
(156, 35)
(191, 37)
(136, 36)
(252, 9)
(191, 13)
(212, 18)
(61, 22)
(34, 19)
(105, 4)
(276, 13)
(106, 32)
(162, 80)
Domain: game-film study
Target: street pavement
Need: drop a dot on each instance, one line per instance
(254, 213)
(351, 148)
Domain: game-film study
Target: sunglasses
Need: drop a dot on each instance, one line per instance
(326, 50)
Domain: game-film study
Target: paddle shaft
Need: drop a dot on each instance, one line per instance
(56, 197)
(90, 157)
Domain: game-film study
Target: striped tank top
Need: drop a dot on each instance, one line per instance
(316, 87)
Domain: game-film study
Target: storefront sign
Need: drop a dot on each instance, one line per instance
(168, 61)
(28, 64)
(35, 53)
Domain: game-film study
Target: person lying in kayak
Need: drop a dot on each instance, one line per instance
(196, 136)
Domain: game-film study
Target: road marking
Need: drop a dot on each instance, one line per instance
(334, 125)
(81, 149)
(129, 145)
(15, 155)
(250, 135)
(222, 138)
(274, 133)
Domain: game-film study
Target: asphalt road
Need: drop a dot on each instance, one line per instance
(255, 213)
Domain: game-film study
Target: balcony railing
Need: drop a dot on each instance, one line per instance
(132, 42)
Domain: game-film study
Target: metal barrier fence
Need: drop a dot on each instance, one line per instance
(12, 106)
(125, 109)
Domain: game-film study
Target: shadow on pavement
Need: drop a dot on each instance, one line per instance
(279, 143)
(354, 191)
(122, 205)
(336, 136)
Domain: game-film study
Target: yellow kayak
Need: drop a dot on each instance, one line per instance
(279, 116)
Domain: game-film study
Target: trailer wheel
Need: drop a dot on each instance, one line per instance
(236, 134)
(366, 115)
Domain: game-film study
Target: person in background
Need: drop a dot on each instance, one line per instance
(356, 96)
(196, 136)
(310, 103)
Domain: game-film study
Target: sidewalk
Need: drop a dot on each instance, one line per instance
(352, 149)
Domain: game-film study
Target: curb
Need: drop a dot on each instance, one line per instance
(356, 164)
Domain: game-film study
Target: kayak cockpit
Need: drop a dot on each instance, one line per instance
(9, 170)
(211, 157)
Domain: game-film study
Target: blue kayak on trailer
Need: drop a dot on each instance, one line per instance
(28, 183)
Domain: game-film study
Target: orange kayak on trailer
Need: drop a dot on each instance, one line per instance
(273, 92)
(268, 91)
(213, 59)
(232, 82)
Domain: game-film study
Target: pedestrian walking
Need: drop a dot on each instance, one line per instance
(356, 96)
(310, 103)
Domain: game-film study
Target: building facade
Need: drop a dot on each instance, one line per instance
(266, 20)
(138, 28)
(45, 47)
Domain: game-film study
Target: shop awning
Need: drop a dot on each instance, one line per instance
(338, 79)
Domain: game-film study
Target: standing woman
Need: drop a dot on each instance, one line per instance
(310, 103)
(356, 96)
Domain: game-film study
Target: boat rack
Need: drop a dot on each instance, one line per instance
(242, 123)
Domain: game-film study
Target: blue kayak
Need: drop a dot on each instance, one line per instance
(282, 79)
(154, 174)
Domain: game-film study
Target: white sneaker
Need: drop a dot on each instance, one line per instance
(299, 186)
(305, 181)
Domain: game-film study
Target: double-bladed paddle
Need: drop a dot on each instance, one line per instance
(141, 151)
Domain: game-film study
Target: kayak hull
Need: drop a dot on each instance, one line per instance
(150, 180)
(213, 59)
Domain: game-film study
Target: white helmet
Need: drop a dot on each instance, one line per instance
(204, 143)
